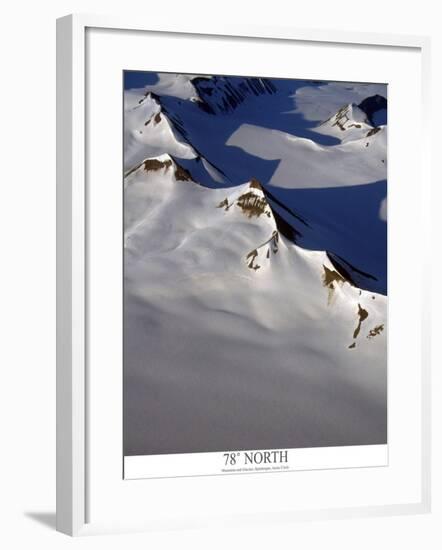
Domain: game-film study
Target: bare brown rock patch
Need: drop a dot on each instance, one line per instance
(254, 184)
(375, 331)
(153, 165)
(362, 314)
(252, 205)
(331, 279)
(182, 174)
(373, 131)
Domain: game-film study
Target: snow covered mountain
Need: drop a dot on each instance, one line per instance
(348, 124)
(255, 307)
(177, 229)
(272, 131)
(210, 279)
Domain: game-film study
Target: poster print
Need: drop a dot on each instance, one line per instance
(255, 274)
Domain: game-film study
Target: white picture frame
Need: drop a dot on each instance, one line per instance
(76, 486)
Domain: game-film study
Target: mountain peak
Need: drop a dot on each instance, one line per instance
(255, 184)
(150, 97)
(348, 116)
(349, 123)
(150, 132)
(250, 198)
(166, 162)
(163, 163)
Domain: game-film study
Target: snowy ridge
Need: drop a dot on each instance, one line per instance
(149, 132)
(212, 125)
(347, 124)
(319, 101)
(180, 234)
(307, 164)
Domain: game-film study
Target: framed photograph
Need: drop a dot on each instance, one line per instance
(242, 322)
